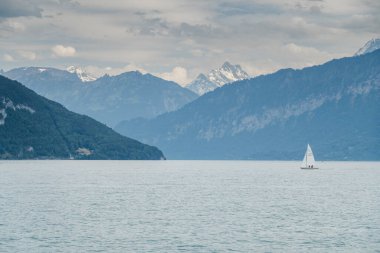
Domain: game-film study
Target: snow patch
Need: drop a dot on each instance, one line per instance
(82, 75)
(25, 107)
(369, 47)
(364, 88)
(84, 151)
(7, 104)
(3, 115)
(201, 85)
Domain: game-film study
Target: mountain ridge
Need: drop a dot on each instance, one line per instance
(109, 99)
(274, 116)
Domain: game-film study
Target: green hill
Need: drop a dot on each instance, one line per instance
(33, 127)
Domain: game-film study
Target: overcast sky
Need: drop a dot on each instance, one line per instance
(178, 39)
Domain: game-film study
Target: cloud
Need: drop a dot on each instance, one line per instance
(62, 51)
(12, 26)
(239, 8)
(28, 55)
(302, 55)
(178, 75)
(21, 55)
(300, 50)
(188, 30)
(156, 25)
(8, 58)
(19, 8)
(197, 36)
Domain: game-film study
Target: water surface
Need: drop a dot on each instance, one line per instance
(188, 206)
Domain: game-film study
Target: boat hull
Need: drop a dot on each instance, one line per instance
(308, 168)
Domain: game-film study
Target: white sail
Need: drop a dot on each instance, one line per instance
(308, 160)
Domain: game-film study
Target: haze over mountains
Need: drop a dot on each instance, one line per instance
(228, 73)
(334, 107)
(109, 99)
(33, 127)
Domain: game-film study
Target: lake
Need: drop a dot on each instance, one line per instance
(188, 206)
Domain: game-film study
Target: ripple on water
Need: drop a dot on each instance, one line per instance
(184, 206)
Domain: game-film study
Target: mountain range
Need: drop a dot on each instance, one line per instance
(108, 99)
(228, 73)
(333, 106)
(33, 127)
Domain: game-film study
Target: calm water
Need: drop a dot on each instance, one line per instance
(182, 206)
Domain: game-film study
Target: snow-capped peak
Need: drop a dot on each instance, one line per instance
(369, 47)
(227, 73)
(82, 75)
(216, 78)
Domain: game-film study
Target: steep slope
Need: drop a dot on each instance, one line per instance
(228, 73)
(55, 84)
(33, 127)
(109, 99)
(334, 107)
(201, 85)
(369, 47)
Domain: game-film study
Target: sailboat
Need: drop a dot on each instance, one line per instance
(308, 160)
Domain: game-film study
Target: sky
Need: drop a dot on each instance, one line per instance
(178, 39)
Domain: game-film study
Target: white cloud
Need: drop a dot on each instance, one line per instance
(62, 51)
(194, 35)
(296, 49)
(178, 75)
(29, 55)
(14, 26)
(253, 70)
(8, 57)
(302, 56)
